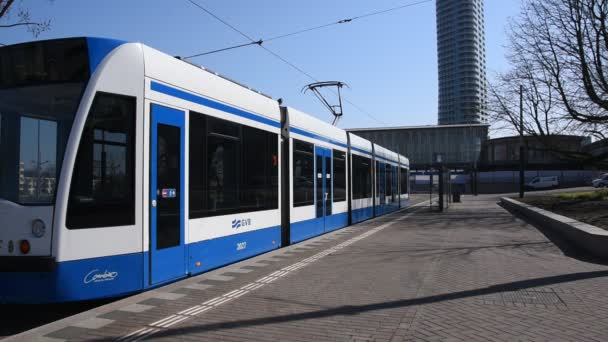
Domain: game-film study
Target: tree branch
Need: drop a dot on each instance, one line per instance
(21, 24)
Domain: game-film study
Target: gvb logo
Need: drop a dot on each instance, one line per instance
(236, 224)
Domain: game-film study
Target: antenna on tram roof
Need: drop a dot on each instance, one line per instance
(336, 110)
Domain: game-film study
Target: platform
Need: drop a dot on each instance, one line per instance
(474, 273)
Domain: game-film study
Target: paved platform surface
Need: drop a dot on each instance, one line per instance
(475, 273)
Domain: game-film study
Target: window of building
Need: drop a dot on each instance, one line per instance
(233, 168)
(303, 174)
(102, 190)
(339, 166)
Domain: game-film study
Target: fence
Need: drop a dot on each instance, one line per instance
(498, 181)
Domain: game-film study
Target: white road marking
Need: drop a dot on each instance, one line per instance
(201, 310)
(136, 332)
(217, 301)
(190, 310)
(160, 322)
(144, 335)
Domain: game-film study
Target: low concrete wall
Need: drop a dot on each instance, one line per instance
(590, 238)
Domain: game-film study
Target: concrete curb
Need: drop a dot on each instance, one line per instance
(590, 238)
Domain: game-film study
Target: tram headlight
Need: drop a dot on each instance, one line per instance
(38, 228)
(24, 246)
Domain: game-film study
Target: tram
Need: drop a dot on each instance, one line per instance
(123, 168)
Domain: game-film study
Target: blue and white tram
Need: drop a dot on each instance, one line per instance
(386, 180)
(362, 174)
(404, 181)
(124, 168)
(318, 202)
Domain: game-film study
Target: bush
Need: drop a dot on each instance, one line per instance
(598, 195)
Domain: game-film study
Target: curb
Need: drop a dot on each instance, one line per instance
(590, 238)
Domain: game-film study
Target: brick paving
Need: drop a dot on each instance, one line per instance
(474, 273)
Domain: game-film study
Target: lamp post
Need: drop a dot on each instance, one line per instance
(522, 166)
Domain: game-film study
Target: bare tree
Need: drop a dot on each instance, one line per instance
(543, 115)
(542, 112)
(14, 14)
(558, 51)
(568, 40)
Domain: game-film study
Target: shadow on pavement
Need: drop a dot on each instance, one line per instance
(16, 318)
(357, 309)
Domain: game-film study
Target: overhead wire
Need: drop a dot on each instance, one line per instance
(314, 28)
(276, 55)
(347, 20)
(220, 19)
(259, 42)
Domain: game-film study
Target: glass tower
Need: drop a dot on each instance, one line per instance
(462, 62)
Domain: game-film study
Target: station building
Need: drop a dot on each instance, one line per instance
(458, 146)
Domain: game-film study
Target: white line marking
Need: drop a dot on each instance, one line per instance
(201, 310)
(240, 294)
(148, 333)
(237, 293)
(248, 286)
(231, 293)
(257, 286)
(136, 332)
(171, 321)
(139, 334)
(271, 280)
(187, 311)
(222, 301)
(261, 280)
(160, 322)
(211, 301)
(181, 319)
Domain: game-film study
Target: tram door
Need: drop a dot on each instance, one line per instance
(167, 248)
(323, 184)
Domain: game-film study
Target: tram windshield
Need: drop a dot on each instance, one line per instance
(40, 88)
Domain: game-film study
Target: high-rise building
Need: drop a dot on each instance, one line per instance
(462, 62)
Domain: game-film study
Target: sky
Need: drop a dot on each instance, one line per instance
(389, 61)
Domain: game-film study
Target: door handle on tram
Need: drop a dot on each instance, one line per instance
(153, 203)
(326, 195)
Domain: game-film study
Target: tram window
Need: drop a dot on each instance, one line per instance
(389, 180)
(102, 188)
(233, 168)
(379, 181)
(404, 180)
(303, 174)
(362, 180)
(260, 170)
(222, 171)
(339, 165)
(198, 173)
(38, 156)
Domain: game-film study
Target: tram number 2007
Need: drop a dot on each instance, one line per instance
(241, 246)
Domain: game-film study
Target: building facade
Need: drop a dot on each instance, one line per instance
(556, 152)
(458, 145)
(462, 64)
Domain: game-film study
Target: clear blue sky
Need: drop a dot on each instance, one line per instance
(389, 60)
